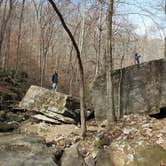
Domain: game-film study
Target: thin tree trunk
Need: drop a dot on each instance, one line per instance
(109, 68)
(5, 58)
(8, 50)
(165, 47)
(99, 40)
(119, 112)
(82, 30)
(38, 27)
(165, 36)
(82, 86)
(46, 34)
(5, 22)
(19, 37)
(1, 2)
(71, 78)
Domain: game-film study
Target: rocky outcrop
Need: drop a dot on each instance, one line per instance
(136, 152)
(55, 108)
(7, 127)
(142, 90)
(20, 150)
(72, 156)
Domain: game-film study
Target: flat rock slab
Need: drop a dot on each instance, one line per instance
(57, 106)
(45, 119)
(57, 116)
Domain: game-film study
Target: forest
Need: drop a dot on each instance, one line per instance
(106, 59)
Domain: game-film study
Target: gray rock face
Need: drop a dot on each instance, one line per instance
(136, 153)
(90, 161)
(72, 156)
(143, 90)
(19, 150)
(103, 158)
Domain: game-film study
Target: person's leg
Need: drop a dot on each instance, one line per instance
(56, 87)
(53, 87)
(137, 61)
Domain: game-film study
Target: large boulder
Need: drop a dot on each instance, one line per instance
(142, 90)
(103, 158)
(72, 156)
(136, 152)
(52, 106)
(20, 150)
(7, 127)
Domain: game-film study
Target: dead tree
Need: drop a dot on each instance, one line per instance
(19, 36)
(109, 66)
(5, 20)
(165, 36)
(81, 69)
(98, 51)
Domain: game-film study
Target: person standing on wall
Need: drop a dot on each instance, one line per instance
(137, 58)
(55, 81)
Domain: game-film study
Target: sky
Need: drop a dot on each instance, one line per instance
(147, 15)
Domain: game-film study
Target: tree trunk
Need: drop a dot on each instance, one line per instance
(82, 30)
(38, 27)
(109, 67)
(5, 58)
(82, 86)
(5, 22)
(165, 36)
(165, 47)
(19, 36)
(99, 40)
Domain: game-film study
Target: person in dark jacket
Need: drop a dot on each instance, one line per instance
(137, 58)
(55, 81)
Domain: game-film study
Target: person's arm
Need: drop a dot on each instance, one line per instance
(57, 79)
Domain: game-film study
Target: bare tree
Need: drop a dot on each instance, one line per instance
(98, 51)
(109, 66)
(82, 83)
(6, 54)
(5, 20)
(19, 36)
(165, 36)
